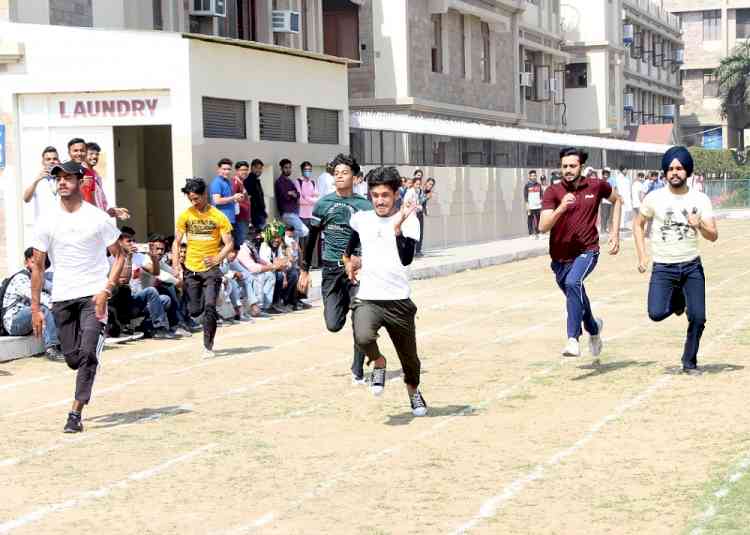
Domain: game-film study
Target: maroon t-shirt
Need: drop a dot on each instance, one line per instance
(575, 232)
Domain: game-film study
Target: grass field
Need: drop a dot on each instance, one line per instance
(271, 437)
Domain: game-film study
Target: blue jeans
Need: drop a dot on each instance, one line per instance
(157, 305)
(21, 326)
(674, 286)
(263, 288)
(293, 220)
(246, 282)
(570, 277)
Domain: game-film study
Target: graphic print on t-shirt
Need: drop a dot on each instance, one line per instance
(676, 228)
(201, 229)
(332, 214)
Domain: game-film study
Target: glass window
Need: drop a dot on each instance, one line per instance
(486, 53)
(576, 75)
(712, 25)
(743, 23)
(437, 43)
(710, 85)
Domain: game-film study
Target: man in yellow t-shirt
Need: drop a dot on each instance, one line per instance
(209, 241)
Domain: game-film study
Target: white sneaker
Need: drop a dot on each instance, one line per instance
(377, 385)
(595, 341)
(418, 404)
(208, 354)
(358, 381)
(572, 348)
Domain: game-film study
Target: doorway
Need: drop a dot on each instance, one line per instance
(143, 171)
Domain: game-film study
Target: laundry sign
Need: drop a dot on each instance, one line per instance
(108, 107)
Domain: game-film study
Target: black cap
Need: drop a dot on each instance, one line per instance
(72, 167)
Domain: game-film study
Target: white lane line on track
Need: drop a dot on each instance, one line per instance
(490, 507)
(722, 492)
(84, 497)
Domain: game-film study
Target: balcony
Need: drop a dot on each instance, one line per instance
(651, 10)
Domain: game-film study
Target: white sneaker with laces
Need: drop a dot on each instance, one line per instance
(377, 385)
(208, 354)
(418, 404)
(358, 381)
(572, 348)
(595, 341)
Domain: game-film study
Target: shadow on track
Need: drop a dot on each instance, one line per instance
(137, 416)
(609, 367)
(405, 418)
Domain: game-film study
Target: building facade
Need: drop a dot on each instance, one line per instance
(711, 29)
(625, 58)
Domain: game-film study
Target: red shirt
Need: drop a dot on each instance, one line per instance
(238, 187)
(575, 232)
(88, 188)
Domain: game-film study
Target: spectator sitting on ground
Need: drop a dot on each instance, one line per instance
(232, 284)
(17, 309)
(43, 189)
(273, 252)
(262, 274)
(130, 301)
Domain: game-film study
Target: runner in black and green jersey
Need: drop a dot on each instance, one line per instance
(331, 217)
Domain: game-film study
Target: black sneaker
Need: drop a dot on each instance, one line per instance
(53, 354)
(164, 334)
(377, 382)
(418, 404)
(74, 424)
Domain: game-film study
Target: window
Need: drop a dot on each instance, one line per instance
(576, 75)
(654, 50)
(437, 43)
(712, 25)
(462, 35)
(277, 122)
(476, 152)
(486, 59)
(323, 126)
(224, 118)
(158, 18)
(710, 85)
(743, 24)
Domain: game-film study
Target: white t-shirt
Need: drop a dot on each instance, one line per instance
(382, 277)
(636, 193)
(672, 240)
(623, 187)
(76, 244)
(326, 184)
(45, 197)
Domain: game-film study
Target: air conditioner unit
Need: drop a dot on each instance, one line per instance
(285, 21)
(527, 79)
(208, 8)
(628, 101)
(628, 35)
(668, 110)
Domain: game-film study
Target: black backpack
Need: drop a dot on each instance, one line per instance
(3, 289)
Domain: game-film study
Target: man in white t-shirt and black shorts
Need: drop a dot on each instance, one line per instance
(388, 237)
(77, 237)
(677, 279)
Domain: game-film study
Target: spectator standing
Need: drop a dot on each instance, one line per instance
(326, 184)
(288, 199)
(637, 193)
(424, 198)
(624, 190)
(605, 212)
(242, 223)
(360, 185)
(43, 189)
(16, 305)
(77, 237)
(222, 195)
(308, 190)
(532, 195)
(93, 150)
(254, 190)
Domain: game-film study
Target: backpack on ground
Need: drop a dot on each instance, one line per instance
(3, 289)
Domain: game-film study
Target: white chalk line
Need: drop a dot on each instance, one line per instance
(272, 516)
(101, 492)
(722, 492)
(490, 507)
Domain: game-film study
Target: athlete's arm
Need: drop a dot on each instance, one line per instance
(176, 268)
(614, 231)
(228, 246)
(37, 280)
(549, 218)
(100, 300)
(312, 242)
(639, 235)
(353, 245)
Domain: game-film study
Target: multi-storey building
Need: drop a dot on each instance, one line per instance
(711, 28)
(626, 56)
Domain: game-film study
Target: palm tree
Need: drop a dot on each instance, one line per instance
(732, 75)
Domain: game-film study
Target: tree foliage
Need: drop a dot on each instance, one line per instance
(714, 162)
(732, 76)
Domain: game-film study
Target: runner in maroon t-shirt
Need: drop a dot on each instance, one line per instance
(569, 210)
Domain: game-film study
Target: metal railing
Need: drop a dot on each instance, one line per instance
(729, 192)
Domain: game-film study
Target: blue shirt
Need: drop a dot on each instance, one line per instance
(222, 188)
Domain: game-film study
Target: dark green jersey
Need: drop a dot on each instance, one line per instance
(331, 215)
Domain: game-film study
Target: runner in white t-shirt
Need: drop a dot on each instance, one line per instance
(388, 237)
(677, 279)
(76, 236)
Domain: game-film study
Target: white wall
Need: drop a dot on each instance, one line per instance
(391, 49)
(31, 11)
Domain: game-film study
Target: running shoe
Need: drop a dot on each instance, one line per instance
(572, 348)
(164, 334)
(208, 354)
(595, 340)
(418, 404)
(73, 424)
(358, 380)
(377, 383)
(53, 354)
(692, 371)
